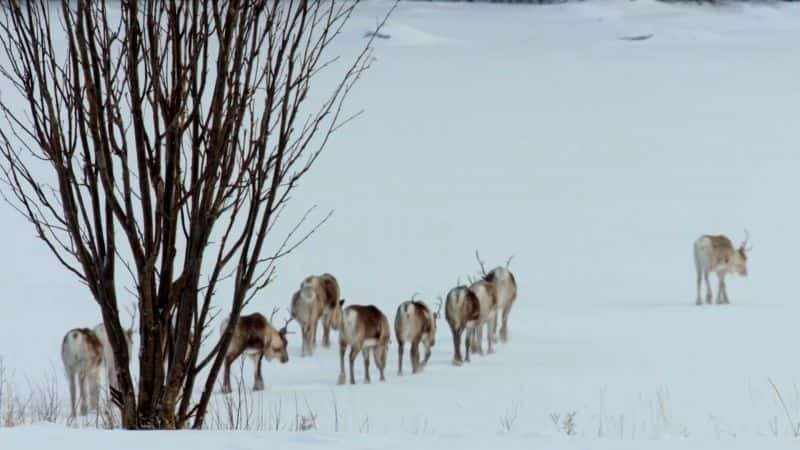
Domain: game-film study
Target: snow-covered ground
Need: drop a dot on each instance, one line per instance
(596, 161)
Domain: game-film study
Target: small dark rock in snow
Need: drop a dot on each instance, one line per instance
(638, 37)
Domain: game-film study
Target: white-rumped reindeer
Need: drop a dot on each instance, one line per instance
(257, 338)
(84, 352)
(364, 329)
(463, 312)
(415, 324)
(318, 298)
(505, 286)
(716, 253)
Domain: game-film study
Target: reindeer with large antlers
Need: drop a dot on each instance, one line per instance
(256, 337)
(415, 324)
(716, 253)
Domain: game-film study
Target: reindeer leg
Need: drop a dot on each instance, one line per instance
(306, 351)
(314, 327)
(477, 341)
(326, 332)
(380, 363)
(415, 356)
(720, 288)
(491, 329)
(708, 288)
(94, 389)
(427, 355)
(504, 327)
(229, 359)
(400, 357)
(468, 343)
(82, 387)
(353, 354)
(342, 350)
(365, 355)
(72, 402)
(457, 361)
(725, 300)
(699, 286)
(258, 385)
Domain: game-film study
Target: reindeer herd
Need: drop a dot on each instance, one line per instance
(472, 311)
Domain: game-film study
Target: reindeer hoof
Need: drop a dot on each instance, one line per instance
(457, 362)
(258, 387)
(341, 380)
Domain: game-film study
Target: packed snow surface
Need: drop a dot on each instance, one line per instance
(538, 132)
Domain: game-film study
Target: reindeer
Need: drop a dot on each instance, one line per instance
(717, 254)
(463, 312)
(82, 355)
(414, 323)
(505, 286)
(487, 299)
(317, 298)
(364, 328)
(256, 337)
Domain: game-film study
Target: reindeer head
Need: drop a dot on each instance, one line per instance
(278, 345)
(335, 318)
(739, 262)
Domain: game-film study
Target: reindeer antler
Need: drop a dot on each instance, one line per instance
(746, 240)
(483, 267)
(286, 324)
(438, 307)
(508, 261)
(414, 296)
(272, 316)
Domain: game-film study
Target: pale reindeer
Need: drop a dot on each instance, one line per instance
(84, 352)
(415, 324)
(257, 338)
(82, 355)
(318, 298)
(364, 329)
(463, 312)
(505, 286)
(487, 299)
(717, 254)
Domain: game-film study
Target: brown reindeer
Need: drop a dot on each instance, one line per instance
(256, 337)
(414, 323)
(318, 298)
(463, 313)
(364, 329)
(82, 355)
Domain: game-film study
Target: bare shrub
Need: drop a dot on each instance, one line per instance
(508, 420)
(565, 423)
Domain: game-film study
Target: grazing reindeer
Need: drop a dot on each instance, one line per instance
(463, 312)
(82, 355)
(364, 328)
(717, 254)
(108, 353)
(318, 298)
(256, 337)
(415, 324)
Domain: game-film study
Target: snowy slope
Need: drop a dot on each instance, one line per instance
(596, 161)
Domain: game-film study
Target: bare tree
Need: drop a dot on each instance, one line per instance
(161, 139)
